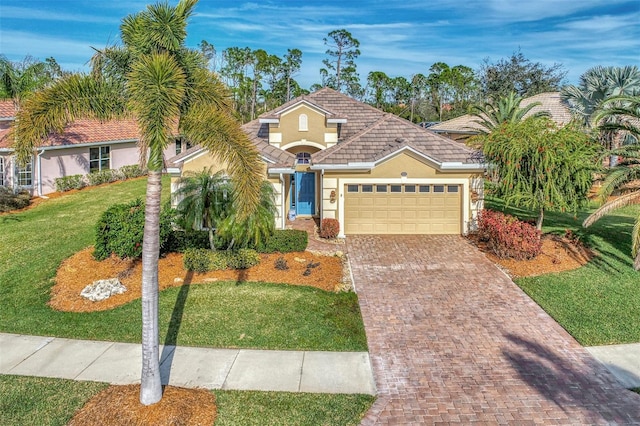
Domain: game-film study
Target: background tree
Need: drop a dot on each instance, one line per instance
(586, 99)
(18, 80)
(505, 109)
(340, 72)
(168, 89)
(541, 166)
(209, 52)
(627, 119)
(452, 90)
(290, 67)
(518, 74)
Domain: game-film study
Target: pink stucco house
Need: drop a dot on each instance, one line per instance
(85, 146)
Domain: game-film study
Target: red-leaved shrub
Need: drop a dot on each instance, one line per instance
(329, 228)
(507, 236)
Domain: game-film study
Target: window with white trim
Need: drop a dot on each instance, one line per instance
(24, 174)
(99, 158)
(182, 145)
(303, 123)
(1, 171)
(303, 158)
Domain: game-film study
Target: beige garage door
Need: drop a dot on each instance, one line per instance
(402, 209)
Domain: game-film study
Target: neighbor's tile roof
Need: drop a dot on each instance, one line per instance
(86, 131)
(549, 101)
(390, 134)
(7, 109)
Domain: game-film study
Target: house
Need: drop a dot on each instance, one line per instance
(463, 127)
(84, 146)
(330, 156)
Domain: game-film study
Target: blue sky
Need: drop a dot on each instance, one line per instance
(398, 37)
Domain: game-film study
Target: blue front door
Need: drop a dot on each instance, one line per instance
(305, 193)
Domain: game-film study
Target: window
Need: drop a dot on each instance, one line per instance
(396, 188)
(425, 188)
(182, 145)
(367, 188)
(303, 125)
(24, 175)
(381, 188)
(1, 171)
(303, 158)
(409, 188)
(352, 188)
(99, 158)
(438, 188)
(452, 188)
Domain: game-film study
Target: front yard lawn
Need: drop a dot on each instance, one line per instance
(33, 243)
(597, 303)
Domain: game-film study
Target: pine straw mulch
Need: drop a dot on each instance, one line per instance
(558, 254)
(120, 405)
(82, 269)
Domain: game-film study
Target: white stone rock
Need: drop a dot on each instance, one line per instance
(103, 289)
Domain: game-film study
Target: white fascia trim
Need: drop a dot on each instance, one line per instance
(303, 102)
(173, 170)
(83, 145)
(7, 119)
(269, 120)
(337, 120)
(464, 182)
(462, 166)
(350, 166)
(284, 171)
(302, 143)
(267, 160)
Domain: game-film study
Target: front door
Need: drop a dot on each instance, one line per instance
(304, 193)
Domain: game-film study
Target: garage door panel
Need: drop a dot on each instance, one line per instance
(402, 213)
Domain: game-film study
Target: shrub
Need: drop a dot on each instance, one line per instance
(102, 176)
(507, 236)
(281, 264)
(181, 240)
(197, 260)
(329, 228)
(285, 241)
(120, 230)
(10, 200)
(67, 183)
(242, 259)
(130, 172)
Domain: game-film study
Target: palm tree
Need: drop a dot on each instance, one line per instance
(205, 200)
(627, 170)
(505, 109)
(19, 79)
(167, 88)
(596, 85)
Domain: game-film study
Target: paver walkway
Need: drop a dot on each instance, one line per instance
(453, 340)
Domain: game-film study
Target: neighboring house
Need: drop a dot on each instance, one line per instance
(84, 146)
(463, 127)
(330, 156)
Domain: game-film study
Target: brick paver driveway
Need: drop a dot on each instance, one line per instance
(453, 340)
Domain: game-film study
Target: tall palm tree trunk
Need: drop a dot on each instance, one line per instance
(150, 384)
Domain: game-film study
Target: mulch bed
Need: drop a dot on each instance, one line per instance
(82, 269)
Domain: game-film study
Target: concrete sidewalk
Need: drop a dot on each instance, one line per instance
(240, 369)
(623, 361)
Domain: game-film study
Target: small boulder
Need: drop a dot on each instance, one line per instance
(103, 289)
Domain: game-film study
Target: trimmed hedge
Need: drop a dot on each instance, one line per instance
(67, 183)
(203, 260)
(102, 176)
(507, 236)
(10, 200)
(285, 241)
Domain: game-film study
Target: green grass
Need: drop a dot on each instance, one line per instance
(42, 401)
(34, 243)
(48, 402)
(597, 303)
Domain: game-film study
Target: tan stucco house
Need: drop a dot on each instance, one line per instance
(84, 146)
(330, 156)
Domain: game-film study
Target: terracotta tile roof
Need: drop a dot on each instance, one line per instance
(7, 109)
(390, 134)
(550, 101)
(87, 131)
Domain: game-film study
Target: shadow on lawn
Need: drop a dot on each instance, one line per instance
(171, 338)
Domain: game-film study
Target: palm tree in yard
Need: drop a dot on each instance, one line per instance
(505, 109)
(626, 114)
(205, 200)
(167, 88)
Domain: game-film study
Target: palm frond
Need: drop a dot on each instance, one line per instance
(635, 239)
(622, 201)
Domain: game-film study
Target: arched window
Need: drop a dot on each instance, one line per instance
(303, 158)
(303, 124)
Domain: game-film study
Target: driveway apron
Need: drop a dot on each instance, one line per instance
(453, 340)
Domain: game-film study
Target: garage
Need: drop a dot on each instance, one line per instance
(381, 208)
